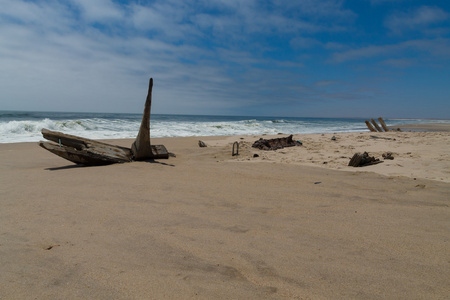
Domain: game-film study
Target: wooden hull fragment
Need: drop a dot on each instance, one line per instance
(84, 151)
(93, 153)
(84, 157)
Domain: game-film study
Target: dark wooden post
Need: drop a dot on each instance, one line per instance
(376, 125)
(370, 126)
(141, 147)
(380, 119)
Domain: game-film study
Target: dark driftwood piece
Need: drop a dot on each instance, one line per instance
(370, 127)
(274, 144)
(379, 137)
(376, 125)
(361, 160)
(93, 153)
(380, 119)
(388, 155)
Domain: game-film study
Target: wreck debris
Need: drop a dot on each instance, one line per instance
(379, 137)
(274, 144)
(376, 127)
(370, 126)
(84, 151)
(141, 148)
(361, 160)
(93, 153)
(387, 155)
(233, 153)
(380, 119)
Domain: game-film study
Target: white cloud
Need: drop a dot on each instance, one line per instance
(213, 55)
(415, 20)
(433, 48)
(99, 10)
(304, 42)
(398, 63)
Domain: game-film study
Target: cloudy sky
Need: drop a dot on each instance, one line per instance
(306, 58)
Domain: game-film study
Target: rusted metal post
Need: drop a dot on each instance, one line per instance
(237, 149)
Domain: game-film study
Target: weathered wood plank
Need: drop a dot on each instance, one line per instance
(376, 125)
(87, 156)
(89, 152)
(141, 148)
(380, 119)
(370, 127)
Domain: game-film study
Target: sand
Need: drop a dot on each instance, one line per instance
(297, 223)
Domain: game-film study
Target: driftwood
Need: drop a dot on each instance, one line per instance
(388, 155)
(376, 127)
(380, 119)
(274, 144)
(361, 160)
(370, 127)
(93, 153)
(379, 137)
(84, 151)
(141, 148)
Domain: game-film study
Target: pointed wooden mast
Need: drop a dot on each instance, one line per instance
(141, 147)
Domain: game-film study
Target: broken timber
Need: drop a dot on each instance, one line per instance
(274, 144)
(376, 127)
(93, 153)
(361, 160)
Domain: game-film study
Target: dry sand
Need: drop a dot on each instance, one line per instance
(296, 223)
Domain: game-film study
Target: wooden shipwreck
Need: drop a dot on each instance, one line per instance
(93, 153)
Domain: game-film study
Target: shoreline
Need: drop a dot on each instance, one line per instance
(423, 127)
(410, 158)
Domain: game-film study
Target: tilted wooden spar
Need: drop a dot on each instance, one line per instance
(93, 153)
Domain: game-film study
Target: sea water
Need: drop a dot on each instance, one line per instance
(23, 126)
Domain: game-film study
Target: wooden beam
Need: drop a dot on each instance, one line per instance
(141, 147)
(380, 119)
(376, 125)
(370, 127)
(84, 151)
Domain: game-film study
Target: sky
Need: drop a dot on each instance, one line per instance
(302, 58)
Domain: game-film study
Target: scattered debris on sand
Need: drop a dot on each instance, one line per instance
(274, 144)
(361, 160)
(388, 155)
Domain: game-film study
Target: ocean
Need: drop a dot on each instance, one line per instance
(25, 126)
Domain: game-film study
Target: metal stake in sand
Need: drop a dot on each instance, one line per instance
(141, 147)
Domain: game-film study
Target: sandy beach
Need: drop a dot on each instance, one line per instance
(296, 223)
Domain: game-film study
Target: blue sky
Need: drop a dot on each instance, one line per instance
(305, 58)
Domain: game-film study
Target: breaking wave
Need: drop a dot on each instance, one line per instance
(26, 126)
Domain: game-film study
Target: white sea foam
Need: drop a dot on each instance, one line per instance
(26, 128)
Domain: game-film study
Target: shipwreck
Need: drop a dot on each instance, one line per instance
(94, 153)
